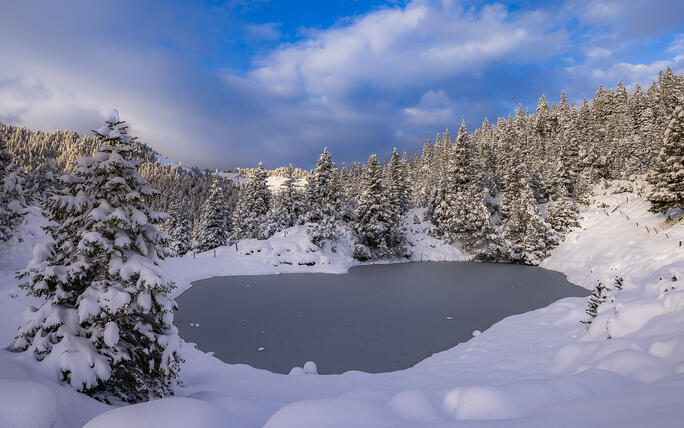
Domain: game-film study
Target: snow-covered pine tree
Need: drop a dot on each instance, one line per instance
(12, 200)
(250, 220)
(397, 186)
(288, 205)
(528, 237)
(442, 212)
(212, 230)
(44, 181)
(598, 295)
(461, 213)
(462, 162)
(323, 200)
(423, 176)
(471, 224)
(667, 175)
(106, 322)
(179, 228)
(561, 210)
(377, 233)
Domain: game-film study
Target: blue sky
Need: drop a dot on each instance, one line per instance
(230, 83)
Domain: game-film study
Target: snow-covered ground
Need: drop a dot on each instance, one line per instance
(542, 368)
(274, 182)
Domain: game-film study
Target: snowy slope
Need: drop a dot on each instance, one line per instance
(542, 368)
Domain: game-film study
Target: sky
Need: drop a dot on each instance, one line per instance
(221, 84)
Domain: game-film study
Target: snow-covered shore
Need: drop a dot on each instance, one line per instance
(541, 368)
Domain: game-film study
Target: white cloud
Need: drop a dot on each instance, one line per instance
(434, 108)
(596, 53)
(677, 44)
(394, 47)
(630, 74)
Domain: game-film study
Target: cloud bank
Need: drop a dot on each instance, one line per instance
(203, 86)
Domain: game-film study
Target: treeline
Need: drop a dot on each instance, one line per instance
(505, 192)
(54, 152)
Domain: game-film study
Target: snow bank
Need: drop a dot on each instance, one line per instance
(167, 413)
(638, 331)
(291, 251)
(26, 405)
(338, 413)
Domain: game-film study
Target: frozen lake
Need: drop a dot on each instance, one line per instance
(375, 318)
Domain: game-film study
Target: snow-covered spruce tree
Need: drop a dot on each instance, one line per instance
(667, 175)
(561, 210)
(375, 225)
(12, 201)
(288, 205)
(442, 213)
(397, 186)
(106, 323)
(179, 228)
(471, 224)
(598, 295)
(323, 201)
(528, 237)
(212, 230)
(250, 220)
(43, 182)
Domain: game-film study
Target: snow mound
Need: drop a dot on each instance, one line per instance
(167, 413)
(331, 413)
(480, 402)
(18, 407)
(416, 406)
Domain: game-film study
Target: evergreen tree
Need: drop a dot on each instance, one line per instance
(324, 201)
(43, 182)
(250, 220)
(598, 295)
(668, 173)
(179, 228)
(12, 201)
(462, 163)
(288, 206)
(528, 237)
(424, 176)
(375, 226)
(470, 224)
(107, 320)
(561, 210)
(212, 230)
(397, 186)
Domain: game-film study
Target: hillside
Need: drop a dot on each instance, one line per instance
(541, 368)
